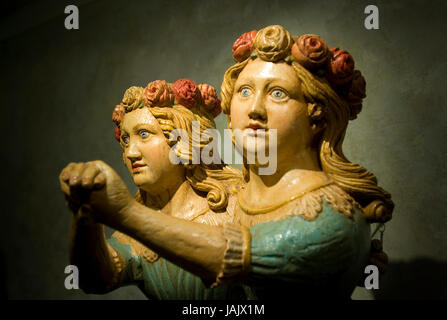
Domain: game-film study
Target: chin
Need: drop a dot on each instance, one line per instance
(141, 181)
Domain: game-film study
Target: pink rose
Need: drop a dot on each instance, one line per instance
(310, 51)
(118, 114)
(209, 95)
(243, 46)
(340, 66)
(186, 93)
(158, 93)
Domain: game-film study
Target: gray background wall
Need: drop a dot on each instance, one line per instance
(58, 89)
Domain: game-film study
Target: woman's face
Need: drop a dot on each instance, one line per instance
(146, 152)
(268, 96)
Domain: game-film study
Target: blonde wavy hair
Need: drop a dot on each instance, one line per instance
(328, 110)
(210, 179)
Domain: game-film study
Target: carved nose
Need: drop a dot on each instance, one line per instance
(133, 153)
(257, 111)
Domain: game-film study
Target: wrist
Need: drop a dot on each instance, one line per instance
(83, 219)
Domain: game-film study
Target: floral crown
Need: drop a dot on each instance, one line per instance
(160, 93)
(309, 50)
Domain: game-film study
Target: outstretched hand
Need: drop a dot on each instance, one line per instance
(96, 189)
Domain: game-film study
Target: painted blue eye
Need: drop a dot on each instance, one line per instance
(245, 92)
(125, 139)
(144, 134)
(278, 94)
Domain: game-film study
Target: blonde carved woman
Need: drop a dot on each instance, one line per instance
(145, 121)
(301, 232)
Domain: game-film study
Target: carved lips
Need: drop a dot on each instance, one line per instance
(136, 166)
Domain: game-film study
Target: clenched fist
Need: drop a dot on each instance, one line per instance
(96, 189)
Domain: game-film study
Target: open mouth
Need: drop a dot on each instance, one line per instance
(256, 128)
(136, 167)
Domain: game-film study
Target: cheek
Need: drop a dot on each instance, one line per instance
(290, 123)
(156, 153)
(237, 113)
(127, 162)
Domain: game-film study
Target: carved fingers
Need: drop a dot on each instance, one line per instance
(77, 180)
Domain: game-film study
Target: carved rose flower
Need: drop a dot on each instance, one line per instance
(310, 50)
(340, 66)
(158, 93)
(118, 114)
(117, 133)
(355, 110)
(186, 93)
(273, 43)
(356, 93)
(133, 97)
(209, 95)
(243, 46)
(357, 89)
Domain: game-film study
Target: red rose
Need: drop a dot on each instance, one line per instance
(356, 93)
(158, 93)
(217, 108)
(243, 46)
(310, 51)
(209, 95)
(340, 66)
(186, 93)
(118, 114)
(354, 110)
(357, 89)
(117, 133)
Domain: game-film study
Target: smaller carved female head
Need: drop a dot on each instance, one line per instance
(308, 93)
(146, 119)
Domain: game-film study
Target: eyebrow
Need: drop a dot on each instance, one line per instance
(147, 126)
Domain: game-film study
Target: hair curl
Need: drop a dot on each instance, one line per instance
(328, 109)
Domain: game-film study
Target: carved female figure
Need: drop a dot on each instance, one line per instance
(302, 231)
(145, 120)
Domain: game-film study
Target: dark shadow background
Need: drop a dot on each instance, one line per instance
(59, 87)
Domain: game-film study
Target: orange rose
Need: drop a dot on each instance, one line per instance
(118, 114)
(310, 51)
(209, 95)
(158, 93)
(243, 46)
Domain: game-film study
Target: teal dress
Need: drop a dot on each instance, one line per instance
(290, 258)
